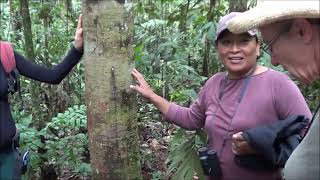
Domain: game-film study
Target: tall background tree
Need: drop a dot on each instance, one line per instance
(238, 6)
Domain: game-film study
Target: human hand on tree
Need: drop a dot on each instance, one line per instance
(78, 37)
(147, 93)
(141, 86)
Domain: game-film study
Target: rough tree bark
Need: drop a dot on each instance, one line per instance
(108, 54)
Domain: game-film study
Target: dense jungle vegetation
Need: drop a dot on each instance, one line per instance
(174, 49)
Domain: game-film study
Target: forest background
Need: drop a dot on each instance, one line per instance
(173, 48)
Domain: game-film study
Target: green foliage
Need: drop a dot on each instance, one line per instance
(53, 29)
(30, 139)
(63, 143)
(311, 93)
(158, 175)
(67, 141)
(170, 58)
(183, 159)
(72, 120)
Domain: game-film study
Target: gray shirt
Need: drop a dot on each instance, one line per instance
(304, 161)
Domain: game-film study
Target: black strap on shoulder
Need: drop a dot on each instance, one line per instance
(313, 118)
(11, 79)
(244, 88)
(17, 74)
(14, 84)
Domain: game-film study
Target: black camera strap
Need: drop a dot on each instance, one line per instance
(312, 120)
(243, 89)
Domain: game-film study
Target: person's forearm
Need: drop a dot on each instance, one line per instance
(53, 75)
(161, 103)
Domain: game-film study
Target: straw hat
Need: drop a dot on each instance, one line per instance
(269, 11)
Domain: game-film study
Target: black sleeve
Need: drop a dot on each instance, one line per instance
(52, 75)
(276, 141)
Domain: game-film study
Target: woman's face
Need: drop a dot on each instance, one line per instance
(238, 53)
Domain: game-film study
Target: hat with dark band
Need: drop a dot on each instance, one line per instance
(270, 11)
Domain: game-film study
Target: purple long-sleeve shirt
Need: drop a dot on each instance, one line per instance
(269, 97)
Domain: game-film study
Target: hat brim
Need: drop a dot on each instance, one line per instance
(266, 14)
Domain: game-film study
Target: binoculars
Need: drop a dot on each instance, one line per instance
(210, 162)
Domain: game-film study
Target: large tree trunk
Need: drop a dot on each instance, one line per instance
(108, 54)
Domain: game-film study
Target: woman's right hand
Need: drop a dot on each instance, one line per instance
(141, 86)
(147, 93)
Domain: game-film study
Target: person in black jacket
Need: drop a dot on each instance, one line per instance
(8, 166)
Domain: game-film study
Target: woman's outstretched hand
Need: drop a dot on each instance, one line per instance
(141, 86)
(147, 93)
(78, 37)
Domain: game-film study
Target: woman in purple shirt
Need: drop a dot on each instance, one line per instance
(247, 95)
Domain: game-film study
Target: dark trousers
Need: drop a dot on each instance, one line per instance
(10, 165)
